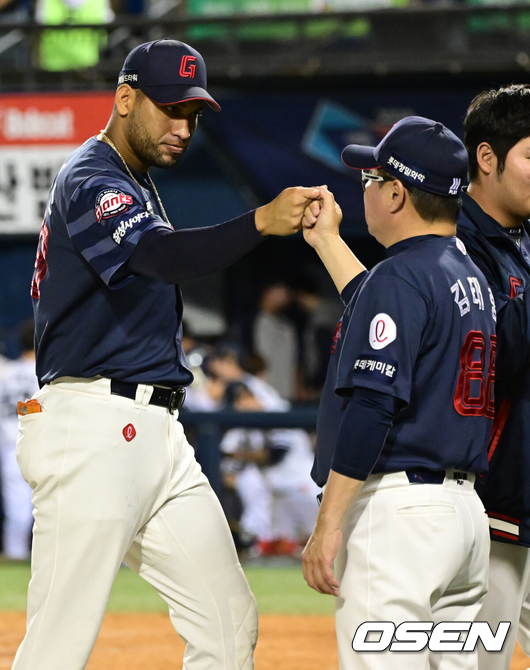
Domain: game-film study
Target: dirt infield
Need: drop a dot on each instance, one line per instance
(139, 641)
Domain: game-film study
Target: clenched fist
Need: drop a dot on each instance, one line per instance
(321, 218)
(283, 216)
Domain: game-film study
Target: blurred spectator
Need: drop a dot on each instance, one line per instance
(275, 339)
(75, 48)
(270, 471)
(18, 382)
(206, 392)
(224, 364)
(322, 315)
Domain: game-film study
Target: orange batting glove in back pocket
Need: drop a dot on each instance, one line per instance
(28, 407)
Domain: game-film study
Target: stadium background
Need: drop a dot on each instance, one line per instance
(296, 80)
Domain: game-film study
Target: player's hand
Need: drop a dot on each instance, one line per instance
(322, 218)
(311, 214)
(283, 216)
(317, 560)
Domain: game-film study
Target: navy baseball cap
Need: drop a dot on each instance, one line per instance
(419, 152)
(168, 72)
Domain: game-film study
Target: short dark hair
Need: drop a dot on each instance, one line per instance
(500, 117)
(234, 392)
(430, 206)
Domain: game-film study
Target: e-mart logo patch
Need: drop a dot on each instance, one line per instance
(111, 202)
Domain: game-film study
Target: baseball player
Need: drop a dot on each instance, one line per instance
(16, 380)
(112, 473)
(493, 224)
(402, 438)
(271, 473)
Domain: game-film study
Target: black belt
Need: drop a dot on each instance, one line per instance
(171, 399)
(421, 476)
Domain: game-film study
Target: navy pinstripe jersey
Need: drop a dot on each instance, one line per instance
(92, 316)
(505, 491)
(420, 327)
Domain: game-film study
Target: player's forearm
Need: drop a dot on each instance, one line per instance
(173, 256)
(339, 260)
(339, 494)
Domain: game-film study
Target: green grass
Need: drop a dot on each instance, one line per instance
(284, 591)
(280, 590)
(14, 580)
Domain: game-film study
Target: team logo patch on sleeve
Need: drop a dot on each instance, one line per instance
(378, 368)
(383, 331)
(111, 202)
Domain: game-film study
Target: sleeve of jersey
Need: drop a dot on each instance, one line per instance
(350, 288)
(383, 338)
(106, 219)
(365, 423)
(513, 338)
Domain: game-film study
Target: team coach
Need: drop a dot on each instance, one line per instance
(112, 473)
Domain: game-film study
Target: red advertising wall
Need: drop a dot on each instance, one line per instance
(37, 132)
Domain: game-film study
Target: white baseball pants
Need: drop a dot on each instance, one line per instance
(410, 552)
(509, 588)
(100, 498)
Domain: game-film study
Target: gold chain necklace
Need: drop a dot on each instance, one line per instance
(107, 139)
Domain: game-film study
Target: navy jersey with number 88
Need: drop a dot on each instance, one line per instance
(419, 327)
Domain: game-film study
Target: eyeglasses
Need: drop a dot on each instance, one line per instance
(367, 177)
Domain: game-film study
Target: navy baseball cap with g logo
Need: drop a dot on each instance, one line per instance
(419, 152)
(168, 72)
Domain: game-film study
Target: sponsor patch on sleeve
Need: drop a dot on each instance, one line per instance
(111, 202)
(378, 368)
(383, 331)
(121, 228)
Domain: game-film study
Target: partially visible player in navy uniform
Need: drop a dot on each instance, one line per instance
(494, 227)
(112, 473)
(408, 403)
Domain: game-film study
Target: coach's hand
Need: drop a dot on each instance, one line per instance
(321, 218)
(283, 216)
(324, 544)
(318, 557)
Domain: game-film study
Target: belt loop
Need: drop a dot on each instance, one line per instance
(143, 396)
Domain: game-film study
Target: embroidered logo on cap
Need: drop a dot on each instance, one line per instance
(187, 68)
(455, 186)
(124, 78)
(398, 165)
(111, 202)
